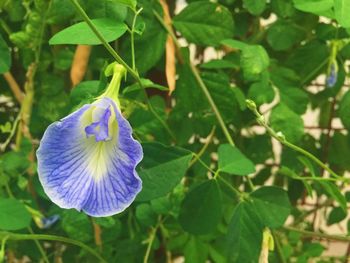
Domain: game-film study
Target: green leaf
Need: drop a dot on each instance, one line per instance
(340, 151)
(234, 44)
(271, 205)
(129, 3)
(307, 60)
(161, 169)
(283, 35)
(282, 119)
(255, 7)
(77, 225)
(336, 215)
(196, 250)
(150, 46)
(344, 110)
(283, 8)
(219, 64)
(84, 91)
(333, 191)
(60, 12)
(14, 163)
(5, 55)
(13, 215)
(295, 98)
(232, 161)
(146, 215)
(201, 210)
(204, 23)
(146, 84)
(112, 9)
(342, 12)
(254, 60)
(81, 33)
(244, 234)
(261, 92)
(224, 96)
(317, 7)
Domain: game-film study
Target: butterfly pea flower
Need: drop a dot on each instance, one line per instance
(333, 75)
(87, 160)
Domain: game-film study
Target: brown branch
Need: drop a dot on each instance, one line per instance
(19, 95)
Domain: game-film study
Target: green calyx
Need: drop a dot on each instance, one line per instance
(117, 72)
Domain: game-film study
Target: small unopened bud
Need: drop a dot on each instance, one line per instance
(280, 136)
(251, 105)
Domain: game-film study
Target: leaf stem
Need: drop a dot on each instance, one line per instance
(279, 137)
(203, 149)
(15, 236)
(109, 48)
(318, 235)
(151, 239)
(40, 248)
(237, 192)
(279, 251)
(115, 55)
(132, 40)
(200, 82)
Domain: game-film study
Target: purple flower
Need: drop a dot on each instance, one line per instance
(332, 76)
(87, 160)
(47, 222)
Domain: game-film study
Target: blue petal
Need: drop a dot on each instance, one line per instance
(87, 160)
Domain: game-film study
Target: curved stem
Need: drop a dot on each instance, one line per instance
(115, 55)
(150, 240)
(203, 149)
(261, 120)
(317, 234)
(212, 103)
(237, 192)
(109, 48)
(199, 81)
(312, 157)
(14, 236)
(38, 245)
(132, 34)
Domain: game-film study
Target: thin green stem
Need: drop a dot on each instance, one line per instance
(212, 103)
(4, 145)
(238, 193)
(312, 157)
(204, 148)
(2, 249)
(40, 248)
(151, 240)
(132, 40)
(279, 251)
(14, 236)
(200, 82)
(109, 48)
(317, 234)
(306, 79)
(261, 120)
(115, 55)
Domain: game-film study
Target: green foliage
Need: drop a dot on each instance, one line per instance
(204, 23)
(217, 171)
(5, 55)
(161, 170)
(201, 210)
(232, 161)
(81, 34)
(14, 215)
